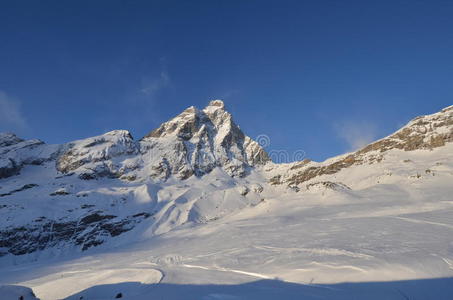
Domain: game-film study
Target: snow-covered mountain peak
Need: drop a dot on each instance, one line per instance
(181, 125)
(15, 153)
(215, 107)
(93, 157)
(193, 121)
(7, 139)
(192, 143)
(200, 141)
(216, 103)
(423, 133)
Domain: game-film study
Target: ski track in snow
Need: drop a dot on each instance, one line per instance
(215, 268)
(318, 251)
(424, 222)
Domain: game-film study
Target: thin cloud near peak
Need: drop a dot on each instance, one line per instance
(152, 85)
(356, 133)
(11, 117)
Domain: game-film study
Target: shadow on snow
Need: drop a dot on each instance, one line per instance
(422, 289)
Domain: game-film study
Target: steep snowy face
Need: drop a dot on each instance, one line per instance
(422, 133)
(99, 156)
(197, 141)
(13, 292)
(8, 139)
(15, 153)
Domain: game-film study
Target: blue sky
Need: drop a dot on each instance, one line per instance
(320, 76)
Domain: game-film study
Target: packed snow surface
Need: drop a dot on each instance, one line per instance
(399, 229)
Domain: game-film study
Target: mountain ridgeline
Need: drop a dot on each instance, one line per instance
(193, 143)
(193, 169)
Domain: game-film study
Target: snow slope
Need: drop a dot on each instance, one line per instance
(16, 292)
(374, 224)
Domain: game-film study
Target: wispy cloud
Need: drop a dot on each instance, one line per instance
(228, 94)
(356, 134)
(143, 98)
(151, 85)
(11, 117)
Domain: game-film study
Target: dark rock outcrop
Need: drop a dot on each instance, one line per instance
(89, 231)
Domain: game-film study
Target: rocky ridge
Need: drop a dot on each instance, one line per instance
(422, 133)
(15, 153)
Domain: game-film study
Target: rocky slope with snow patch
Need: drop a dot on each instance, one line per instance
(422, 133)
(15, 153)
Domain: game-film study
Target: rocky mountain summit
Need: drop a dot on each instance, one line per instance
(200, 141)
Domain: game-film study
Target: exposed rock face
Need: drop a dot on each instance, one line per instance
(422, 133)
(24, 187)
(8, 139)
(8, 167)
(327, 185)
(42, 233)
